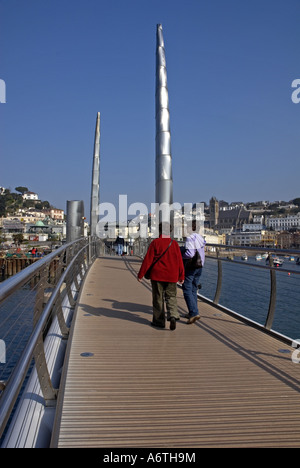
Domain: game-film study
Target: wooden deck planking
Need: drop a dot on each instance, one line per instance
(218, 383)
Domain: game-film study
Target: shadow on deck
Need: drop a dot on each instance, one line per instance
(217, 383)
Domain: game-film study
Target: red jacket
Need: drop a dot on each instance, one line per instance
(170, 267)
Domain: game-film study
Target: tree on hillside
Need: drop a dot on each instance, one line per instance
(13, 201)
(2, 206)
(21, 189)
(18, 238)
(296, 201)
(29, 203)
(42, 205)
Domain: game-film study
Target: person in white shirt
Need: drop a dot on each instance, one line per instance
(194, 242)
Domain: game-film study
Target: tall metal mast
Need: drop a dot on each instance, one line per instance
(164, 180)
(95, 179)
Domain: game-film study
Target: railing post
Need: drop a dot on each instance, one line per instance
(89, 250)
(69, 292)
(60, 317)
(272, 304)
(49, 392)
(219, 283)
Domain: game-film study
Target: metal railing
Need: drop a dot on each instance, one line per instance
(220, 257)
(56, 277)
(234, 255)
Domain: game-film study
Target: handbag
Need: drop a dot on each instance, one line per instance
(148, 272)
(194, 263)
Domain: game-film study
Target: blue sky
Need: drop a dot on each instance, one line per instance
(235, 132)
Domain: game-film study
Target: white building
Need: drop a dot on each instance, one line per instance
(55, 213)
(246, 239)
(285, 223)
(252, 227)
(30, 196)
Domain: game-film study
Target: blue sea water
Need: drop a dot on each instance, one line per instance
(16, 323)
(246, 290)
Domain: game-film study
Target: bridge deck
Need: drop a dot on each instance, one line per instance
(217, 383)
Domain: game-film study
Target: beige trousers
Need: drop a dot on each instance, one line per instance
(163, 292)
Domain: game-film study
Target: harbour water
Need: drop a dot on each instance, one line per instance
(245, 290)
(16, 323)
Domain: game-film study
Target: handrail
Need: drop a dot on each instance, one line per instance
(273, 284)
(15, 282)
(140, 249)
(86, 251)
(254, 249)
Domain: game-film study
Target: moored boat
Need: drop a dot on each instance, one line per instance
(277, 261)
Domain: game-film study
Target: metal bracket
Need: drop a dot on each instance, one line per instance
(49, 392)
(60, 317)
(2, 385)
(272, 304)
(219, 283)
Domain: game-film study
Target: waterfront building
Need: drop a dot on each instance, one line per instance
(253, 227)
(268, 239)
(234, 218)
(288, 240)
(228, 218)
(245, 239)
(211, 237)
(12, 226)
(284, 223)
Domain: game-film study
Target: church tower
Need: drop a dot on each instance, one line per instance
(213, 213)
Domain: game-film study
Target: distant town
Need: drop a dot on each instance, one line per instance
(25, 218)
(256, 224)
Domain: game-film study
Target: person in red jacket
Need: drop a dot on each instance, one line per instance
(165, 274)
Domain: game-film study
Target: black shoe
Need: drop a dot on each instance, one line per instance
(172, 323)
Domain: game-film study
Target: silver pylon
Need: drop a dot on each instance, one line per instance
(164, 180)
(75, 220)
(95, 179)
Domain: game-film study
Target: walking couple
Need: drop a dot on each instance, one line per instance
(168, 267)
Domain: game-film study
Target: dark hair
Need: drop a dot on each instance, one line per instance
(165, 228)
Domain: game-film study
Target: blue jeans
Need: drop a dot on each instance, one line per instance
(190, 289)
